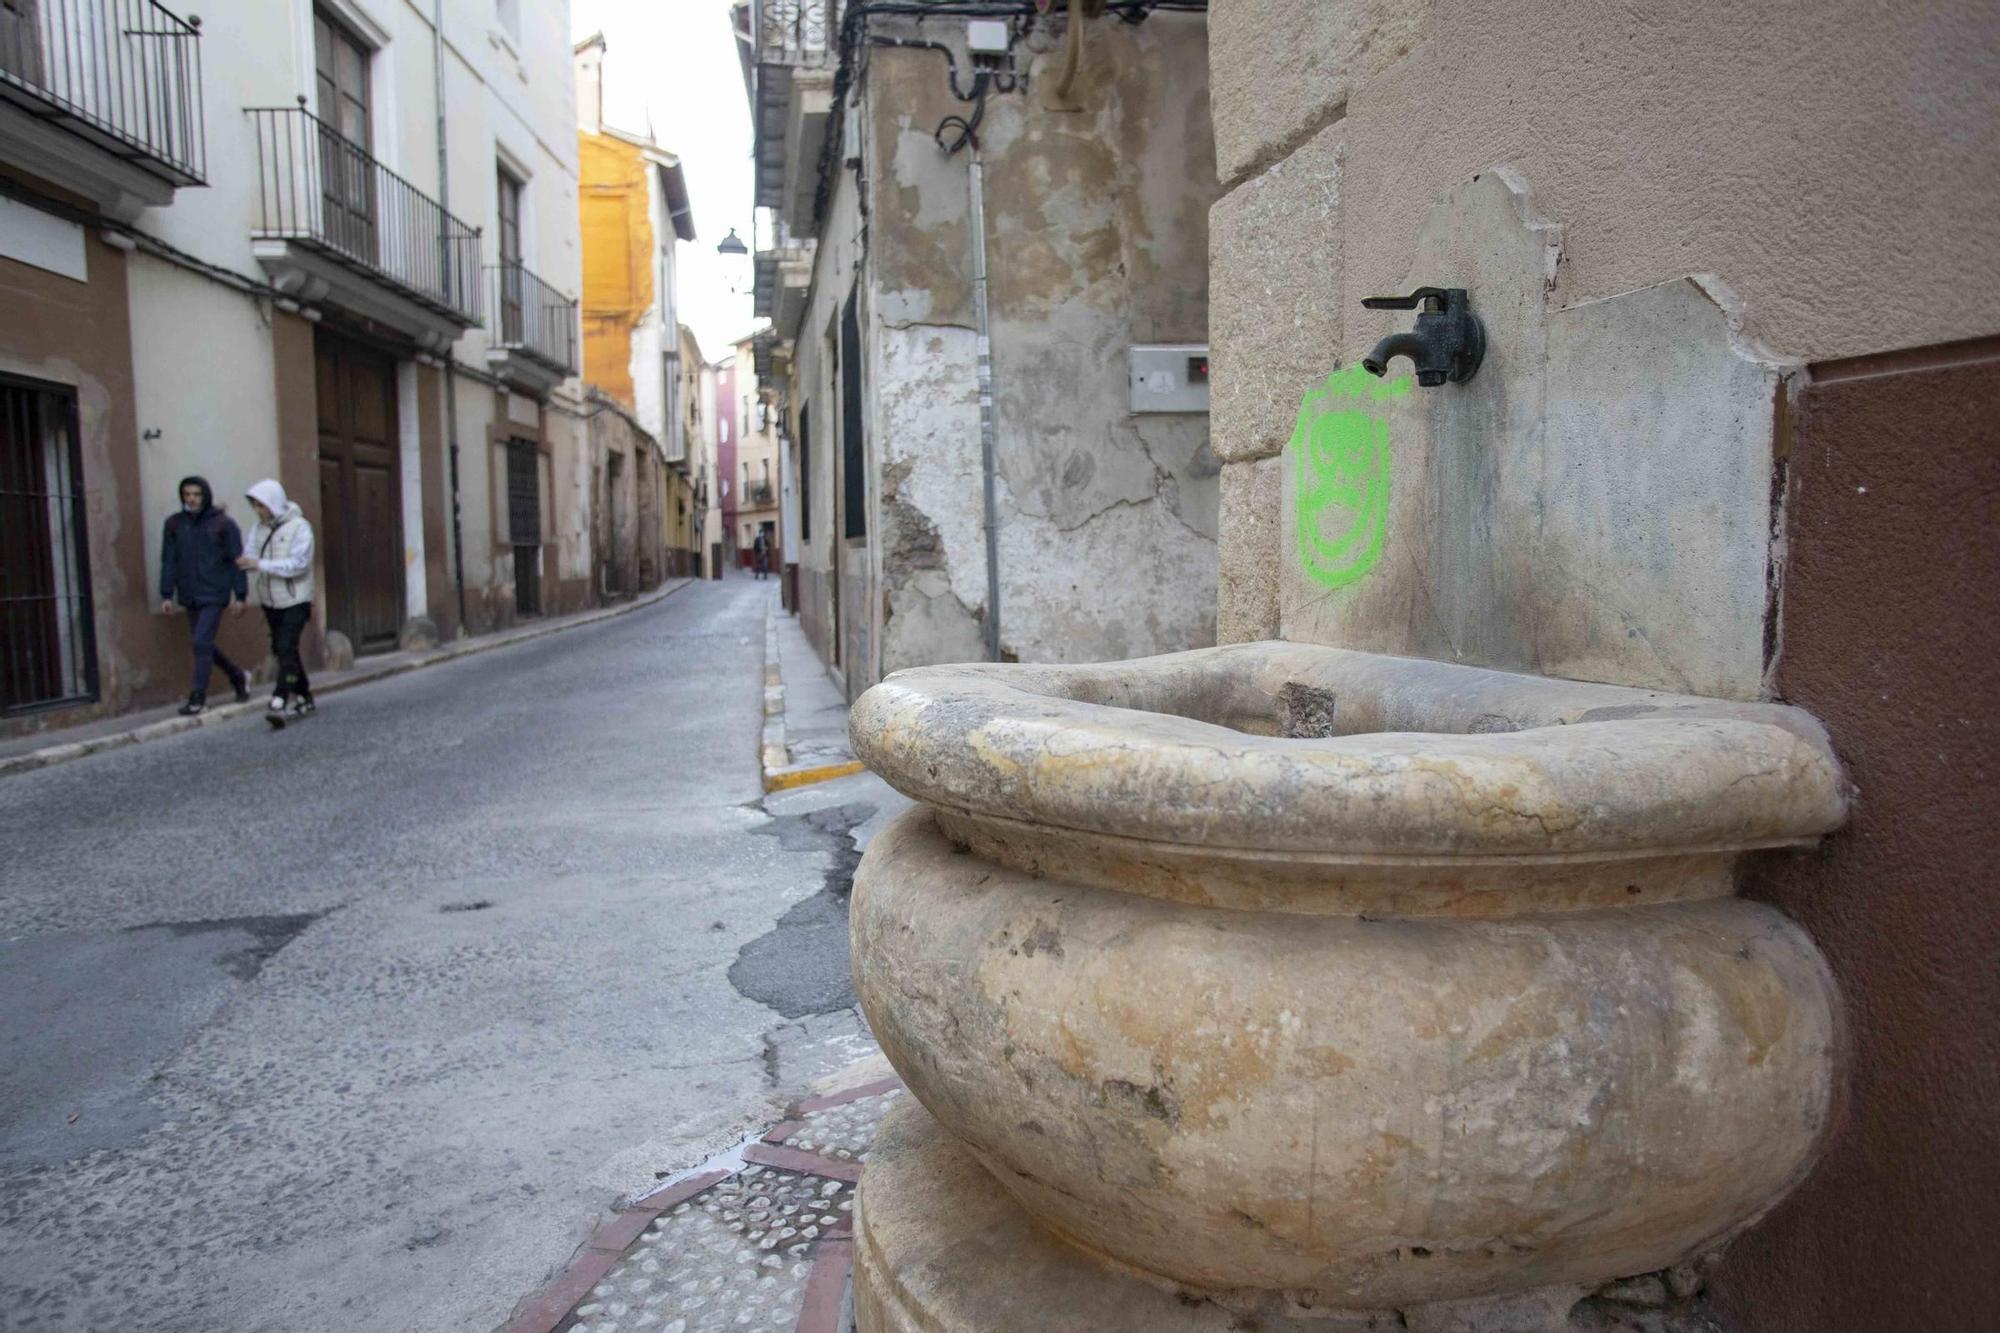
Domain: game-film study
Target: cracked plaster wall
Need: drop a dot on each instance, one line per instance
(1097, 236)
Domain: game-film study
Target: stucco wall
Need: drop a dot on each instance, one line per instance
(1813, 166)
(1097, 239)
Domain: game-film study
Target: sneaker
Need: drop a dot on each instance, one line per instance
(279, 703)
(243, 690)
(303, 706)
(195, 704)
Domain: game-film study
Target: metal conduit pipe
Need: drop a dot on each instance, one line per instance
(976, 186)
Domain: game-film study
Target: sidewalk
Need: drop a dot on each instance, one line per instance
(805, 713)
(23, 754)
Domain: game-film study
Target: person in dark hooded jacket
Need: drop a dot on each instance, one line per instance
(198, 572)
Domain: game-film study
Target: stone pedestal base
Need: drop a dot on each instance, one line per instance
(941, 1248)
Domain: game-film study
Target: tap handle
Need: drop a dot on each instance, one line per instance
(1413, 301)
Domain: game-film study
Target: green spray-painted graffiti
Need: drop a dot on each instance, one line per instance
(1340, 453)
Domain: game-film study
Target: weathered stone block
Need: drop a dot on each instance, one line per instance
(1246, 604)
(1281, 69)
(1275, 290)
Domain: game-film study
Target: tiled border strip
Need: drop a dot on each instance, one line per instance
(833, 1253)
(598, 1255)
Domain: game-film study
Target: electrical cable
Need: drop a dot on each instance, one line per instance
(968, 129)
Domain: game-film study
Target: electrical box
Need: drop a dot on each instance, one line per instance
(986, 37)
(1169, 377)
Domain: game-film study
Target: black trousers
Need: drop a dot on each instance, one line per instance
(203, 621)
(287, 624)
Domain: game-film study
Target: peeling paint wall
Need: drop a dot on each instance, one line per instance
(1097, 239)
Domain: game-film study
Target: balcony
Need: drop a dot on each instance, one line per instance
(102, 97)
(759, 495)
(336, 227)
(779, 283)
(793, 33)
(534, 329)
(792, 52)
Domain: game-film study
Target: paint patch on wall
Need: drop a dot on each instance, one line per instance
(1340, 446)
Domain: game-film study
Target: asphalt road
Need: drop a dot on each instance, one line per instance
(362, 1025)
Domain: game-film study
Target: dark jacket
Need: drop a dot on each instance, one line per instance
(198, 555)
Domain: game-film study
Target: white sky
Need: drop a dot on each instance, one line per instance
(673, 64)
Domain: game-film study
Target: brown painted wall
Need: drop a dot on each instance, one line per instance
(1891, 631)
(79, 334)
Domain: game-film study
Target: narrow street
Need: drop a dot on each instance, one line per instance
(361, 1025)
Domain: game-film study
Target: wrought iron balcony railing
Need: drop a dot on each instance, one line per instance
(760, 494)
(125, 75)
(793, 32)
(317, 190)
(533, 318)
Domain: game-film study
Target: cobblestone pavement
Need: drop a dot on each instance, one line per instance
(761, 1241)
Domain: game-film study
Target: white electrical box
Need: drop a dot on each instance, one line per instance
(1169, 377)
(986, 37)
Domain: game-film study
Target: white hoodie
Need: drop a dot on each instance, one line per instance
(283, 549)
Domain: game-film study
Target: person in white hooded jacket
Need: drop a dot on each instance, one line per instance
(279, 552)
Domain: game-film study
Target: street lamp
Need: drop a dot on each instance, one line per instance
(732, 244)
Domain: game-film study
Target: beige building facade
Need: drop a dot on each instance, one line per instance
(753, 458)
(252, 251)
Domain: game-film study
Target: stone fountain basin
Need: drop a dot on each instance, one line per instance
(1327, 981)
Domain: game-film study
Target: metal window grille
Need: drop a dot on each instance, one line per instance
(48, 650)
(524, 524)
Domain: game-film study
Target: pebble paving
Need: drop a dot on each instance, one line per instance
(736, 1257)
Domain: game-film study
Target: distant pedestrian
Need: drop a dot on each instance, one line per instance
(760, 551)
(280, 553)
(199, 574)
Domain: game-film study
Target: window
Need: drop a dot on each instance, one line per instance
(347, 173)
(508, 195)
(853, 453)
(744, 429)
(47, 654)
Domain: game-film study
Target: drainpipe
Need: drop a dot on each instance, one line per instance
(451, 348)
(976, 178)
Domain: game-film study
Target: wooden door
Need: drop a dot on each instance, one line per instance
(361, 506)
(346, 134)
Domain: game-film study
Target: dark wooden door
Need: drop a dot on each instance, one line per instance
(346, 133)
(361, 506)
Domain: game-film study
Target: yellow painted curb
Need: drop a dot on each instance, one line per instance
(805, 777)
